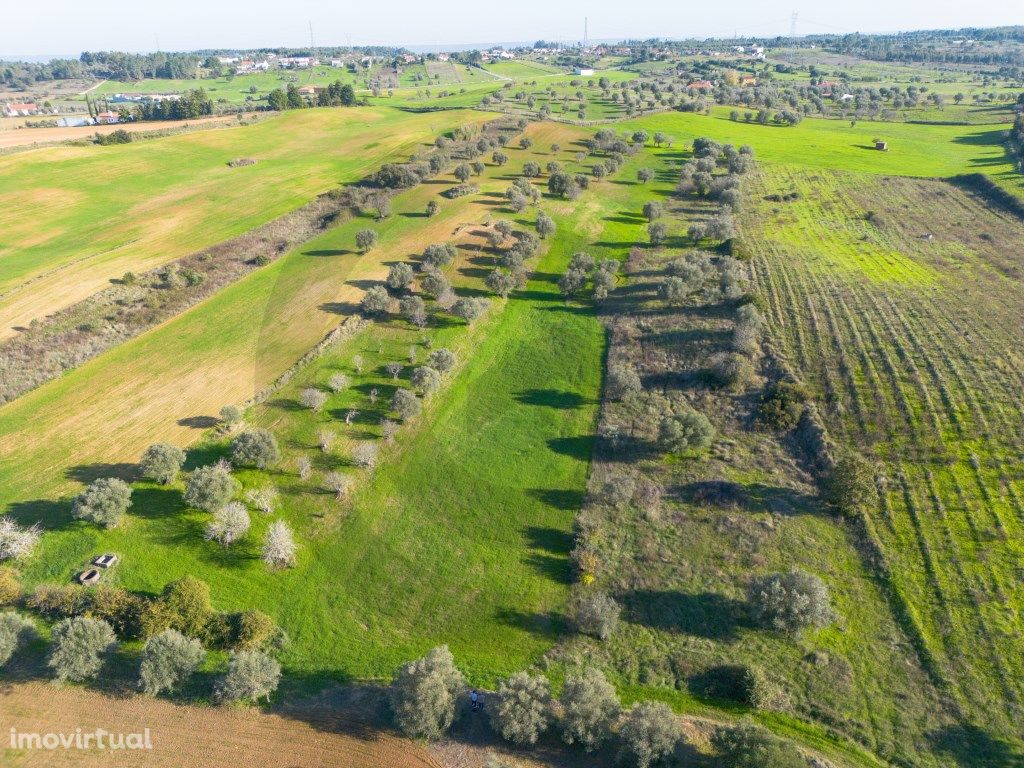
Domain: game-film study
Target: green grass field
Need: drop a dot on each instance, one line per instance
(72, 218)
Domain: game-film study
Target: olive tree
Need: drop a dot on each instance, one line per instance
(279, 546)
(405, 403)
(161, 462)
(256, 448)
(522, 710)
(789, 602)
(230, 523)
(622, 381)
(210, 488)
(469, 309)
(251, 675)
(337, 382)
(650, 735)
(231, 415)
(78, 647)
(365, 239)
(168, 658)
(441, 359)
(748, 745)
(426, 379)
(15, 631)
(104, 502)
(400, 276)
(501, 281)
(644, 175)
(590, 709)
(364, 455)
(375, 301)
(545, 225)
(424, 695)
(312, 398)
(657, 232)
(653, 210)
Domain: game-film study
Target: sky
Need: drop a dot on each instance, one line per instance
(70, 26)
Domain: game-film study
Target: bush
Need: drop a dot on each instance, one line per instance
(79, 647)
(210, 488)
(405, 403)
(167, 659)
(650, 735)
(782, 405)
(375, 301)
(312, 398)
(747, 745)
(15, 541)
(10, 589)
(522, 711)
(185, 606)
(121, 609)
(251, 675)
(688, 430)
(731, 370)
(230, 523)
(622, 381)
(759, 691)
(590, 708)
(255, 448)
(850, 487)
(594, 613)
(15, 631)
(425, 693)
(252, 630)
(104, 502)
(279, 546)
(161, 462)
(789, 602)
(55, 601)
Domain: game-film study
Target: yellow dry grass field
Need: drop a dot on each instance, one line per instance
(16, 136)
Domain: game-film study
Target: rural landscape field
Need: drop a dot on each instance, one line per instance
(641, 401)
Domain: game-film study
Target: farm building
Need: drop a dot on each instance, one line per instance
(74, 122)
(882, 146)
(20, 110)
(106, 118)
(748, 81)
(307, 90)
(584, 71)
(701, 85)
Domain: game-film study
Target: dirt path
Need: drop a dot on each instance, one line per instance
(27, 137)
(187, 736)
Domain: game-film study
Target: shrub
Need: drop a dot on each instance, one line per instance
(522, 711)
(731, 370)
(782, 405)
(424, 695)
(312, 398)
(590, 708)
(104, 502)
(15, 541)
(255, 448)
(79, 645)
(594, 613)
(251, 675)
(850, 486)
(789, 602)
(650, 735)
(10, 589)
(55, 601)
(167, 659)
(279, 546)
(688, 430)
(185, 606)
(15, 631)
(230, 523)
(441, 359)
(161, 462)
(746, 338)
(210, 488)
(121, 609)
(375, 301)
(405, 403)
(617, 490)
(759, 691)
(251, 630)
(747, 745)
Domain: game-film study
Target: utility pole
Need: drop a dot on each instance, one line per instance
(792, 38)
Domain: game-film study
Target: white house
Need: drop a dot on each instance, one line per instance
(584, 71)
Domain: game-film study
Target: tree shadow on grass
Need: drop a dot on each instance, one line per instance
(968, 744)
(329, 252)
(558, 498)
(577, 446)
(546, 623)
(52, 515)
(340, 307)
(553, 398)
(199, 422)
(706, 614)
(86, 473)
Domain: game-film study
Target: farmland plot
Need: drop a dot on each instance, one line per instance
(900, 301)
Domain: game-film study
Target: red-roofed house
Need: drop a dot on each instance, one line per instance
(106, 118)
(701, 85)
(19, 110)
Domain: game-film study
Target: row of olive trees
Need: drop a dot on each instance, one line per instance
(429, 694)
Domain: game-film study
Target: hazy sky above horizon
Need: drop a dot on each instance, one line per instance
(71, 26)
